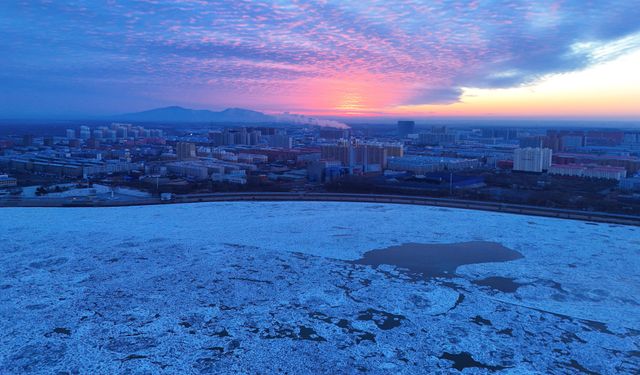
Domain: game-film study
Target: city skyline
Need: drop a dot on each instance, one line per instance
(506, 59)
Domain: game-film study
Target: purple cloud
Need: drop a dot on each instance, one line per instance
(219, 53)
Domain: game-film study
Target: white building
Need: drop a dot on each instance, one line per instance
(531, 159)
(85, 132)
(238, 176)
(193, 170)
(217, 170)
(588, 171)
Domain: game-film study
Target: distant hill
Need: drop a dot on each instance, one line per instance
(180, 114)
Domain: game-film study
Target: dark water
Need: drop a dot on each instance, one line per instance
(438, 260)
(382, 319)
(503, 284)
(464, 360)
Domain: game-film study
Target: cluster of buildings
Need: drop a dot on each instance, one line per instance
(116, 132)
(419, 164)
(362, 155)
(65, 165)
(585, 154)
(540, 160)
(297, 157)
(251, 137)
(597, 154)
(203, 169)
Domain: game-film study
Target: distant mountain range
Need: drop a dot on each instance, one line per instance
(232, 115)
(180, 114)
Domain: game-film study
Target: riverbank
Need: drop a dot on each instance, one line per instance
(335, 197)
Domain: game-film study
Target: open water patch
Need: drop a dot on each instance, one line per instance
(425, 261)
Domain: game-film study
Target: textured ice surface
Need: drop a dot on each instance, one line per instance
(270, 288)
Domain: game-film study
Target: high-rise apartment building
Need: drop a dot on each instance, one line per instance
(85, 132)
(27, 140)
(235, 136)
(281, 141)
(121, 133)
(334, 133)
(185, 150)
(573, 142)
(405, 128)
(353, 153)
(254, 137)
(532, 159)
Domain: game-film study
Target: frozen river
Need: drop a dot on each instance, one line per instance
(319, 287)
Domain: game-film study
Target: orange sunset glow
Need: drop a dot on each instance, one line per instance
(549, 59)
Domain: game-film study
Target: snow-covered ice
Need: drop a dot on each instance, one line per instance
(261, 287)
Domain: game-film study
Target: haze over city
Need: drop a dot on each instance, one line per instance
(551, 59)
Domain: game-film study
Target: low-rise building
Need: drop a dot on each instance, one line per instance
(189, 169)
(322, 171)
(252, 158)
(235, 177)
(217, 170)
(7, 182)
(426, 164)
(588, 171)
(630, 184)
(436, 138)
(630, 163)
(64, 166)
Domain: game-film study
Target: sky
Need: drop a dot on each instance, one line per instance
(576, 59)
